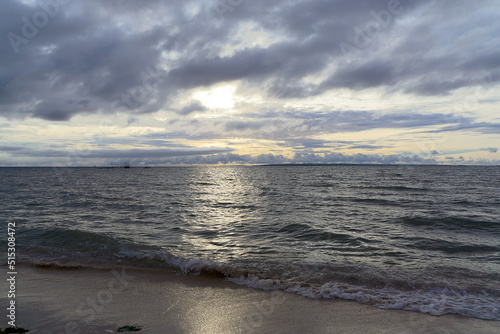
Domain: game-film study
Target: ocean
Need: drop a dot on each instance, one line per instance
(421, 238)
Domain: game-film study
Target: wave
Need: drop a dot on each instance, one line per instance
(305, 232)
(73, 249)
(323, 185)
(450, 247)
(395, 188)
(452, 223)
(435, 301)
(205, 183)
(375, 201)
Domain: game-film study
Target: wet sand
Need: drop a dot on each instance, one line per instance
(54, 300)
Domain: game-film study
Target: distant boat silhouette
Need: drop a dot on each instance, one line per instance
(126, 165)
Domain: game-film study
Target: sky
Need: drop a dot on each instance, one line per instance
(157, 82)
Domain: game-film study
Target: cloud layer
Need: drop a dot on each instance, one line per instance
(304, 77)
(105, 57)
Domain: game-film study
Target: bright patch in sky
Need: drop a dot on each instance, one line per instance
(221, 97)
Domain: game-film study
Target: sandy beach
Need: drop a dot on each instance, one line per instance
(54, 300)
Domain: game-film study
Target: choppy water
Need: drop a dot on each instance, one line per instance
(423, 238)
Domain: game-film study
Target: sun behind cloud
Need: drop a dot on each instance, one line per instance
(219, 97)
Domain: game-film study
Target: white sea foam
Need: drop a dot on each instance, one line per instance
(434, 301)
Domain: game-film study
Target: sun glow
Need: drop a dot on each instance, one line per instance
(219, 97)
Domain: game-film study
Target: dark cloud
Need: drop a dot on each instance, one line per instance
(482, 127)
(94, 56)
(10, 148)
(193, 107)
(300, 123)
(365, 76)
(245, 125)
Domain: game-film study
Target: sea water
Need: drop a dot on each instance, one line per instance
(423, 238)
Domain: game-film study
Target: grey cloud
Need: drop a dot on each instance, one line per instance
(205, 72)
(163, 143)
(131, 120)
(191, 108)
(226, 158)
(482, 127)
(180, 135)
(292, 124)
(366, 76)
(367, 147)
(52, 112)
(309, 143)
(11, 148)
(104, 60)
(75, 155)
(154, 157)
(245, 125)
(302, 143)
(298, 158)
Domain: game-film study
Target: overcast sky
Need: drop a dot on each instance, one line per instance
(249, 81)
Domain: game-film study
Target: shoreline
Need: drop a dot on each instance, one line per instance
(54, 300)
